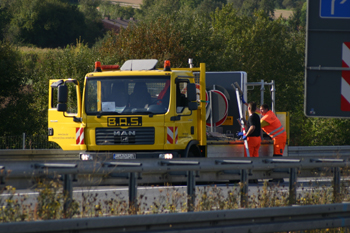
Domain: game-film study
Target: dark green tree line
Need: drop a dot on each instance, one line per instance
(48, 23)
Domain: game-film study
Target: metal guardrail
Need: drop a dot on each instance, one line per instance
(208, 169)
(318, 150)
(192, 169)
(39, 154)
(276, 219)
(59, 154)
(28, 164)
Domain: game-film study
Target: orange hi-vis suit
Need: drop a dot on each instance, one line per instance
(273, 127)
(253, 139)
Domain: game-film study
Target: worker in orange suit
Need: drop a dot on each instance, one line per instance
(273, 127)
(253, 135)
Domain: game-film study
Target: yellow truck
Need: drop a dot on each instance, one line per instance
(139, 111)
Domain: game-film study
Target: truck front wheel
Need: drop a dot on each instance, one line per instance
(194, 152)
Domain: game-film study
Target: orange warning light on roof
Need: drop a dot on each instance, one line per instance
(98, 67)
(166, 65)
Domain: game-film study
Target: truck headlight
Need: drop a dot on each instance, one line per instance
(86, 157)
(166, 156)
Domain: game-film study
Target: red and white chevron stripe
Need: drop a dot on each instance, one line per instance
(171, 135)
(79, 136)
(345, 81)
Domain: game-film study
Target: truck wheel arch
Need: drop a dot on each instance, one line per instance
(192, 147)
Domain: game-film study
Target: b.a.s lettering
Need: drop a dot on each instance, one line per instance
(124, 121)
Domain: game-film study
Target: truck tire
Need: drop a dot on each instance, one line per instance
(194, 152)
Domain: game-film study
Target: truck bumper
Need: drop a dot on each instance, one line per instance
(127, 155)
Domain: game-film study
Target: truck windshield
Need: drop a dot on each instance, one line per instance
(127, 95)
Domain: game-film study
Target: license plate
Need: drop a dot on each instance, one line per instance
(124, 156)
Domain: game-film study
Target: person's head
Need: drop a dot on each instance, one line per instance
(252, 107)
(140, 87)
(264, 109)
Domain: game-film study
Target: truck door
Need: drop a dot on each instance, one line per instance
(185, 120)
(65, 125)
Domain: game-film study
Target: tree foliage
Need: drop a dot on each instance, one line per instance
(266, 49)
(73, 61)
(92, 20)
(114, 11)
(158, 40)
(15, 93)
(50, 23)
(4, 18)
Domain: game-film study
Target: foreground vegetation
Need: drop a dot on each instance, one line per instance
(50, 202)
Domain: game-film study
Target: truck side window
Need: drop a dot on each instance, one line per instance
(54, 91)
(181, 99)
(72, 98)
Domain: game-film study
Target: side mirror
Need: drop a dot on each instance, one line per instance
(192, 106)
(191, 92)
(62, 96)
(62, 107)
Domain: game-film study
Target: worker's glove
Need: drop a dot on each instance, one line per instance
(240, 134)
(243, 101)
(244, 137)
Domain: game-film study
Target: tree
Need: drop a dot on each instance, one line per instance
(15, 94)
(153, 9)
(247, 7)
(73, 61)
(278, 4)
(267, 6)
(4, 18)
(208, 6)
(157, 40)
(237, 4)
(93, 28)
(303, 15)
(115, 11)
(288, 4)
(48, 23)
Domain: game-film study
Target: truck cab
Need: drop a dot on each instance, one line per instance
(136, 111)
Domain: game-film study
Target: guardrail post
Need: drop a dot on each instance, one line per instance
(292, 185)
(3, 173)
(191, 190)
(133, 207)
(23, 141)
(244, 188)
(67, 192)
(336, 184)
(67, 179)
(191, 182)
(132, 192)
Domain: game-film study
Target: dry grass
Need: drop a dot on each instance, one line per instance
(139, 2)
(25, 49)
(285, 14)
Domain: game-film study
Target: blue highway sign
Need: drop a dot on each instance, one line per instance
(326, 60)
(335, 8)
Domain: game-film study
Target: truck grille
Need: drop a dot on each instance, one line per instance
(118, 136)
